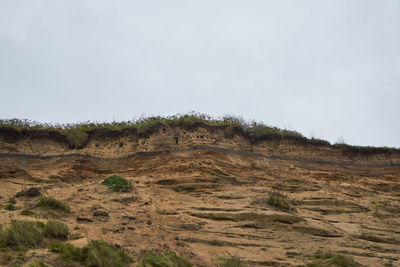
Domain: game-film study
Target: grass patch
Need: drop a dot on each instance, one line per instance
(10, 206)
(117, 183)
(96, 253)
(279, 201)
(20, 194)
(49, 214)
(38, 263)
(31, 192)
(56, 229)
(22, 235)
(75, 236)
(27, 212)
(52, 203)
(68, 251)
(168, 259)
(332, 260)
(229, 261)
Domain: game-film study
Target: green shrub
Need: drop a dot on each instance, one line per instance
(76, 137)
(27, 212)
(10, 206)
(332, 260)
(56, 229)
(169, 259)
(279, 201)
(117, 183)
(229, 261)
(53, 203)
(96, 253)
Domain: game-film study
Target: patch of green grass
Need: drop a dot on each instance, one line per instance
(332, 260)
(50, 202)
(279, 201)
(10, 206)
(169, 259)
(229, 261)
(38, 263)
(56, 229)
(68, 251)
(27, 212)
(96, 253)
(101, 254)
(117, 183)
(22, 235)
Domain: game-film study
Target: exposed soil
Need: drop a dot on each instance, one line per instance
(201, 194)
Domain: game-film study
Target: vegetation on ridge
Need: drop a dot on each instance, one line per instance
(77, 134)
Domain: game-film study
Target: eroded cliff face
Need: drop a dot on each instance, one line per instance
(202, 192)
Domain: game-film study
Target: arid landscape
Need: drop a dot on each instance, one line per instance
(204, 191)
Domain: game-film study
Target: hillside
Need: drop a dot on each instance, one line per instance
(203, 190)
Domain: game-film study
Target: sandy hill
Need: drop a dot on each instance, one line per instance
(204, 191)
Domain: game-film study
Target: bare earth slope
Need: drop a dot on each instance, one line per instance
(200, 193)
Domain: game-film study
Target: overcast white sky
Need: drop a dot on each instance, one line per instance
(330, 69)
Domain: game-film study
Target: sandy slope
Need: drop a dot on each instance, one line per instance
(203, 195)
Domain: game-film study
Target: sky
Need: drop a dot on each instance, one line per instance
(328, 69)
